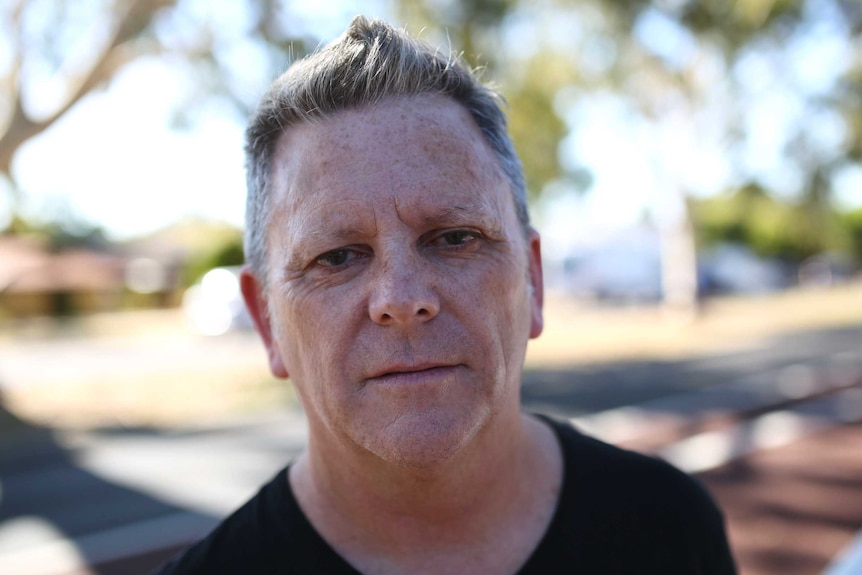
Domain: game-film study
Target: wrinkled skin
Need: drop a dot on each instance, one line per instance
(401, 287)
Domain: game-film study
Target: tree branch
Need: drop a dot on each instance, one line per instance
(116, 54)
(12, 81)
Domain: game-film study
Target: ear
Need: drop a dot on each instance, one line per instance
(255, 301)
(537, 293)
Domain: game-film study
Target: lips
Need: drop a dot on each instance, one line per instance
(413, 374)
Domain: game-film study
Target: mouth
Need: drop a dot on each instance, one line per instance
(415, 374)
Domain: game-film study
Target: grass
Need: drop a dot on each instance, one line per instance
(577, 334)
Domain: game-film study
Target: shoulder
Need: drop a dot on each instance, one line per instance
(618, 500)
(591, 463)
(247, 540)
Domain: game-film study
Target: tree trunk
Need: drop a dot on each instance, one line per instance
(679, 266)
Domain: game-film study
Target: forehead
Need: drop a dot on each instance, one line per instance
(421, 150)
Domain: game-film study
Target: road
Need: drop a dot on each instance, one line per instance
(774, 432)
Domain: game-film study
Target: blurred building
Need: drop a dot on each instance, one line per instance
(34, 281)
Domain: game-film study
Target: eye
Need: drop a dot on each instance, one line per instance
(457, 238)
(336, 258)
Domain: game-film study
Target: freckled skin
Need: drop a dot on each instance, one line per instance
(394, 242)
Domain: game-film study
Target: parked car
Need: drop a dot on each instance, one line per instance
(732, 268)
(826, 269)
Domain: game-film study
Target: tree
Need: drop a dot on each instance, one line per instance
(72, 49)
(769, 227)
(709, 70)
(228, 252)
(734, 78)
(474, 29)
(852, 226)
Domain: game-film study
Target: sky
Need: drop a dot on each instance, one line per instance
(116, 161)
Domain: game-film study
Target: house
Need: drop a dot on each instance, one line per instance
(34, 281)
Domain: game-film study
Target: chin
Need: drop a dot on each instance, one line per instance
(424, 439)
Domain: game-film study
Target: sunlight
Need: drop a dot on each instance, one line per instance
(34, 546)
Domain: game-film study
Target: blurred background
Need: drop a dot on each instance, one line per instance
(694, 167)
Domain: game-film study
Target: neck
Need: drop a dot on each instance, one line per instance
(510, 469)
(355, 477)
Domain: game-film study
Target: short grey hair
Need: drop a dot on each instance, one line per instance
(370, 62)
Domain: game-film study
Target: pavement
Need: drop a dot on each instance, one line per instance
(793, 509)
(120, 501)
(774, 432)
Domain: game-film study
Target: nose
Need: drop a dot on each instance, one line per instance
(403, 295)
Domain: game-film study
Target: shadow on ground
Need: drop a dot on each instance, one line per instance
(45, 498)
(586, 389)
(791, 510)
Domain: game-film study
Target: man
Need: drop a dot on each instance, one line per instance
(394, 277)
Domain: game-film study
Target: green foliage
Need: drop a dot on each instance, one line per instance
(536, 131)
(227, 253)
(474, 28)
(60, 235)
(231, 254)
(737, 23)
(771, 228)
(718, 34)
(63, 237)
(19, 226)
(851, 225)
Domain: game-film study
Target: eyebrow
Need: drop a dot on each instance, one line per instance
(301, 248)
(447, 214)
(461, 214)
(337, 232)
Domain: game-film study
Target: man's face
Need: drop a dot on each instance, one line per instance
(401, 288)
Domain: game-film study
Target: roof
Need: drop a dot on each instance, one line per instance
(27, 266)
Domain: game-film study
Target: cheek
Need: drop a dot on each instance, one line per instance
(492, 303)
(312, 334)
(509, 302)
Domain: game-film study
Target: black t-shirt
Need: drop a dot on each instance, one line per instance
(619, 513)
